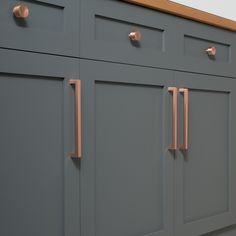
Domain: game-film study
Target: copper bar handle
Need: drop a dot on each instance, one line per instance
(77, 84)
(185, 92)
(174, 91)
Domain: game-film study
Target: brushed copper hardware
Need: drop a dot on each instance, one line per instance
(211, 51)
(77, 84)
(185, 92)
(174, 91)
(21, 11)
(135, 36)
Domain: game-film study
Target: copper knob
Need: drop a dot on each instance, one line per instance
(21, 11)
(211, 51)
(135, 36)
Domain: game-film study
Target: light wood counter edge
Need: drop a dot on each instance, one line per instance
(187, 12)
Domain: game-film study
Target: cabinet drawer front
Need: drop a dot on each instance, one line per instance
(48, 28)
(116, 31)
(106, 25)
(198, 41)
(206, 49)
(166, 41)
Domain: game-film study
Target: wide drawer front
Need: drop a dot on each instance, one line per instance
(121, 32)
(42, 26)
(128, 34)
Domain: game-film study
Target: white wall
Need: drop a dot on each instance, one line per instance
(224, 8)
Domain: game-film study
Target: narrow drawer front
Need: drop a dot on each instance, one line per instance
(206, 49)
(47, 27)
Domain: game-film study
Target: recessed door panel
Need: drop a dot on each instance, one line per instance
(205, 171)
(129, 159)
(32, 162)
(204, 176)
(127, 171)
(39, 182)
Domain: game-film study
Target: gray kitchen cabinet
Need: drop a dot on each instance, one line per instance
(166, 41)
(205, 179)
(51, 26)
(39, 182)
(126, 170)
(129, 181)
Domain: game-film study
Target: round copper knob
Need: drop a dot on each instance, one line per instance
(135, 36)
(211, 51)
(21, 11)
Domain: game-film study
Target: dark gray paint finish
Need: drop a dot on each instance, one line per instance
(173, 54)
(120, 195)
(123, 189)
(205, 175)
(228, 231)
(31, 167)
(196, 47)
(132, 18)
(126, 174)
(51, 27)
(39, 183)
(152, 38)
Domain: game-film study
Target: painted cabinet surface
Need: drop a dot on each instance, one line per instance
(167, 41)
(50, 27)
(128, 182)
(204, 174)
(39, 183)
(136, 185)
(126, 171)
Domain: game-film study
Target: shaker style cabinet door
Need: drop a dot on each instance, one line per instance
(48, 26)
(205, 181)
(126, 169)
(39, 183)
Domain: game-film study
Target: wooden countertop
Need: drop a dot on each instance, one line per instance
(187, 12)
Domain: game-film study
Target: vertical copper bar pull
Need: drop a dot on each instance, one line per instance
(185, 92)
(174, 91)
(77, 84)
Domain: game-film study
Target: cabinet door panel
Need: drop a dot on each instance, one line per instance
(35, 196)
(206, 167)
(126, 171)
(204, 190)
(31, 141)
